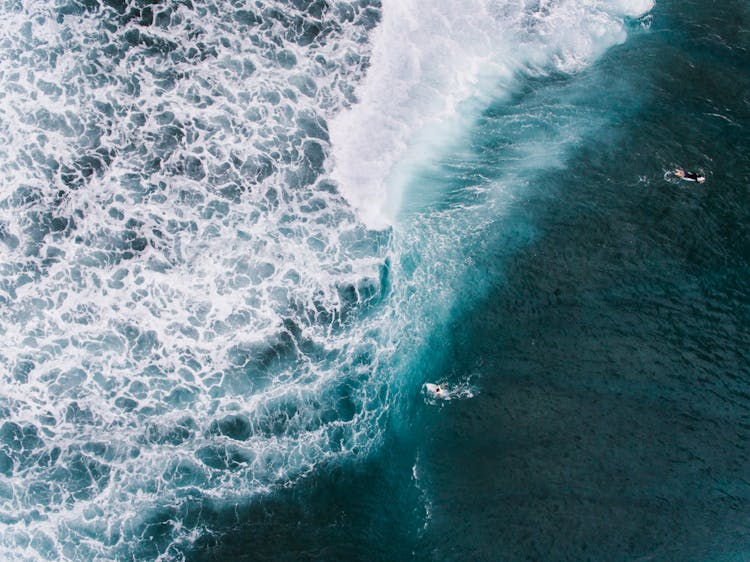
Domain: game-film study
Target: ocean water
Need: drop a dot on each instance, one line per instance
(237, 238)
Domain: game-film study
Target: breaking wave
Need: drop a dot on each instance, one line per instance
(205, 289)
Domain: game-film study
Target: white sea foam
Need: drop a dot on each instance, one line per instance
(434, 63)
(175, 278)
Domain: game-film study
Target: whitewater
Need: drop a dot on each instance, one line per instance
(224, 247)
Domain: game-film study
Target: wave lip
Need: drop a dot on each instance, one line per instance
(435, 63)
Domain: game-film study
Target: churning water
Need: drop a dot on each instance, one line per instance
(237, 237)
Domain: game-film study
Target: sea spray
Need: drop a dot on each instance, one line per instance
(436, 64)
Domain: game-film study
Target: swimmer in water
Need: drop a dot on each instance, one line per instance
(689, 176)
(437, 391)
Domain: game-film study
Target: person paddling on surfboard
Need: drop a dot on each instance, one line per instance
(437, 390)
(689, 176)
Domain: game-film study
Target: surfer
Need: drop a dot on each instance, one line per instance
(436, 390)
(689, 176)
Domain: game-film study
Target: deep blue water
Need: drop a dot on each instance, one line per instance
(239, 238)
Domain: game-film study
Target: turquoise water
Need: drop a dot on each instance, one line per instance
(237, 239)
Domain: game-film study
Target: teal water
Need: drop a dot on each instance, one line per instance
(238, 239)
